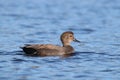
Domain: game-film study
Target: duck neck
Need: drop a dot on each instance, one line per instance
(66, 44)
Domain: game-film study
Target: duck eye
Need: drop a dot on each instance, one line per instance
(70, 35)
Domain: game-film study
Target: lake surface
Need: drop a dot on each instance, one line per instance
(96, 23)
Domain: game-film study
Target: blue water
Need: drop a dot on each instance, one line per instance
(96, 23)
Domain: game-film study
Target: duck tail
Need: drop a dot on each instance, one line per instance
(22, 47)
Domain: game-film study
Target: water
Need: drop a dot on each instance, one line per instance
(96, 23)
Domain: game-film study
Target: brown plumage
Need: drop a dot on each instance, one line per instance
(52, 50)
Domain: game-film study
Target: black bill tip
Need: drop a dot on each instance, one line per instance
(75, 40)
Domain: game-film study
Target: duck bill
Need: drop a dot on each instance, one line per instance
(75, 40)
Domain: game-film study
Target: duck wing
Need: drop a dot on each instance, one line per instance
(43, 49)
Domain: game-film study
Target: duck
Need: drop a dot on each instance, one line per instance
(50, 49)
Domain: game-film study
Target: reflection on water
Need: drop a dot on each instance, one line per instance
(95, 23)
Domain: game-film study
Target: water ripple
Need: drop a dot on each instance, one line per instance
(95, 22)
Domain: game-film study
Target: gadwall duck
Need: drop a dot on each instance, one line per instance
(52, 50)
